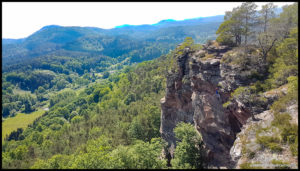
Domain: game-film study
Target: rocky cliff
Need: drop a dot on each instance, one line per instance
(191, 97)
(247, 151)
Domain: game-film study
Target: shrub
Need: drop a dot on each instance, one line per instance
(269, 142)
(279, 164)
(208, 56)
(289, 133)
(280, 104)
(247, 165)
(294, 147)
(76, 119)
(226, 104)
(251, 155)
(274, 147)
(189, 152)
(281, 119)
(239, 91)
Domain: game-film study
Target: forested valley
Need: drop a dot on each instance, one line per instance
(94, 95)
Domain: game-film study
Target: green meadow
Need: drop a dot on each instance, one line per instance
(21, 120)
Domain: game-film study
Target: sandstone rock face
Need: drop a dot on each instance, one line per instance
(177, 104)
(262, 157)
(191, 97)
(217, 50)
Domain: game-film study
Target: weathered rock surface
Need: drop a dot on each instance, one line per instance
(191, 98)
(217, 50)
(247, 150)
(177, 104)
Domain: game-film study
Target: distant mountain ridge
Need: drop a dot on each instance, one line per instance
(135, 42)
(164, 23)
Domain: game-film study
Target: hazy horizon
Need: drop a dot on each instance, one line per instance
(36, 15)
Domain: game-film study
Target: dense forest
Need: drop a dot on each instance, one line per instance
(102, 88)
(56, 57)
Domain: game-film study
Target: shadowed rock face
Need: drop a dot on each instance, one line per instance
(191, 98)
(177, 104)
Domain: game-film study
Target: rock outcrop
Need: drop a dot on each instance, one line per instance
(191, 97)
(247, 150)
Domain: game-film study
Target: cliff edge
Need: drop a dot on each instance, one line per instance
(196, 94)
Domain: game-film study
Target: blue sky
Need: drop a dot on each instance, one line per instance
(21, 19)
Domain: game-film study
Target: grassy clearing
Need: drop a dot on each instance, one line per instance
(21, 120)
(23, 92)
(19, 91)
(99, 75)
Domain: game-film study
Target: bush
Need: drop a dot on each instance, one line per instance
(281, 119)
(274, 147)
(251, 155)
(226, 104)
(105, 75)
(208, 56)
(189, 152)
(247, 165)
(269, 142)
(294, 147)
(225, 40)
(289, 133)
(280, 164)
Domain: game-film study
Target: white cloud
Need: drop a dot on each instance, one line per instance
(20, 19)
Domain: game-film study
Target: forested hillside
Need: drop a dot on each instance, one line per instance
(96, 95)
(138, 43)
(116, 123)
(57, 57)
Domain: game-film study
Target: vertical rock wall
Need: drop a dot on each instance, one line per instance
(191, 98)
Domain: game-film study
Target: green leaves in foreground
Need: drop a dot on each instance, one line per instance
(99, 154)
(189, 153)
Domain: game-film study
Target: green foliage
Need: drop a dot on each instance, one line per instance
(96, 156)
(294, 147)
(208, 56)
(141, 155)
(18, 103)
(15, 135)
(20, 152)
(62, 97)
(293, 87)
(247, 165)
(281, 119)
(280, 164)
(135, 130)
(269, 142)
(145, 126)
(287, 20)
(114, 122)
(107, 109)
(286, 64)
(225, 37)
(237, 23)
(189, 152)
(55, 162)
(239, 91)
(251, 155)
(289, 132)
(290, 97)
(105, 74)
(187, 43)
(6, 160)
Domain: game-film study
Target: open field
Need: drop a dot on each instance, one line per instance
(21, 120)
